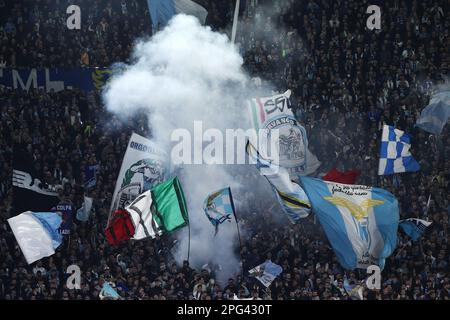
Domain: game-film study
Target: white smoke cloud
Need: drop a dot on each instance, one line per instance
(182, 74)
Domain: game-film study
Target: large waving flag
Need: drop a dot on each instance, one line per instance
(434, 117)
(155, 212)
(290, 195)
(266, 272)
(395, 156)
(29, 192)
(219, 207)
(360, 222)
(143, 167)
(161, 11)
(414, 227)
(274, 113)
(159, 210)
(36, 233)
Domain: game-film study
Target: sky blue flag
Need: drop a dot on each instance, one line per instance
(360, 222)
(219, 207)
(161, 11)
(414, 227)
(266, 272)
(108, 292)
(394, 152)
(51, 221)
(434, 116)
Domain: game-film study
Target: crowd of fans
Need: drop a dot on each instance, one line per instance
(346, 81)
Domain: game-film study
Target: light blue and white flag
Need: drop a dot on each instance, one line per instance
(395, 156)
(108, 292)
(290, 195)
(274, 113)
(360, 222)
(219, 207)
(161, 11)
(266, 272)
(414, 227)
(85, 210)
(434, 116)
(36, 233)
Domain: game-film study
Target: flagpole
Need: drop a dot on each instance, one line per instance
(189, 238)
(237, 227)
(235, 21)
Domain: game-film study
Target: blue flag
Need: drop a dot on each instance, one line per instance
(414, 227)
(266, 272)
(360, 222)
(90, 176)
(434, 116)
(108, 292)
(161, 11)
(219, 207)
(394, 152)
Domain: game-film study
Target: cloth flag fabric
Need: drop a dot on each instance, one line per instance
(66, 211)
(290, 195)
(143, 167)
(347, 177)
(219, 207)
(90, 173)
(395, 156)
(266, 272)
(160, 210)
(360, 222)
(85, 210)
(414, 227)
(108, 292)
(275, 113)
(120, 228)
(435, 115)
(161, 11)
(29, 192)
(37, 233)
(355, 291)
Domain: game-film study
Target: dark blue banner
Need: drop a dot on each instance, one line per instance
(66, 211)
(86, 79)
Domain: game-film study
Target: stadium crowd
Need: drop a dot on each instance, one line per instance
(346, 81)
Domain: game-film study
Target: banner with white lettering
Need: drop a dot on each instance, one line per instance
(144, 165)
(85, 79)
(275, 112)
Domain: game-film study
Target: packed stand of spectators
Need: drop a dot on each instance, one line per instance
(346, 81)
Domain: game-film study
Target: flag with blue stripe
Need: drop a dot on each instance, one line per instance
(219, 207)
(290, 195)
(395, 156)
(360, 222)
(435, 115)
(161, 11)
(414, 227)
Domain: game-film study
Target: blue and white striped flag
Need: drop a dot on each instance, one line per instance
(414, 227)
(360, 222)
(434, 117)
(219, 207)
(395, 156)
